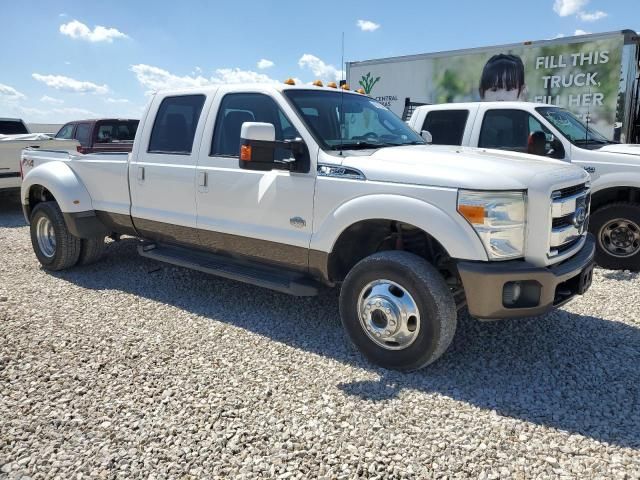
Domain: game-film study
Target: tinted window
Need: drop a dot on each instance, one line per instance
(175, 124)
(83, 134)
(66, 131)
(116, 131)
(12, 127)
(237, 108)
(446, 126)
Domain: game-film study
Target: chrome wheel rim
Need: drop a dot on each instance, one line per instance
(46, 236)
(388, 314)
(620, 237)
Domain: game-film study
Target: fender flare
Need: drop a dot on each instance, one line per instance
(57, 177)
(457, 237)
(615, 180)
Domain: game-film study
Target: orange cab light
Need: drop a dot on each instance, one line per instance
(318, 83)
(345, 86)
(245, 153)
(332, 85)
(360, 91)
(473, 213)
(290, 81)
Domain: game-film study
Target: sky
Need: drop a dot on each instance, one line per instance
(68, 59)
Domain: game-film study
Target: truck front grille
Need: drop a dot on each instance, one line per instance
(569, 218)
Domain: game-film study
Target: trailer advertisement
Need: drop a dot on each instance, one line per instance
(582, 76)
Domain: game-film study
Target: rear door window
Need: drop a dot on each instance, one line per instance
(446, 126)
(175, 125)
(116, 131)
(83, 134)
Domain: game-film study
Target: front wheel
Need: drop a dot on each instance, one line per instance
(398, 310)
(53, 244)
(617, 230)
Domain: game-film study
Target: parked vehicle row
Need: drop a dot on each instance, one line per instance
(302, 188)
(553, 132)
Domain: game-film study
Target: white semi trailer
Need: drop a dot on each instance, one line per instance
(595, 76)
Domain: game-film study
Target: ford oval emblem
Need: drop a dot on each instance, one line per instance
(579, 217)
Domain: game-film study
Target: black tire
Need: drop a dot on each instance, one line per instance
(599, 220)
(91, 250)
(436, 306)
(67, 247)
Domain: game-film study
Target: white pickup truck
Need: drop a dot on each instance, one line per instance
(298, 188)
(15, 137)
(550, 131)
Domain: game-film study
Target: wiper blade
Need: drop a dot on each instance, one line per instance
(591, 140)
(358, 145)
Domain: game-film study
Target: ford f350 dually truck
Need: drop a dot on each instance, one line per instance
(551, 131)
(295, 188)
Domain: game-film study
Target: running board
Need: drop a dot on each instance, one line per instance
(233, 269)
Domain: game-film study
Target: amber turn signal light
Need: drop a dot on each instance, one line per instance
(245, 153)
(473, 213)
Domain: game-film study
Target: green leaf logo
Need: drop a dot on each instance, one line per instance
(367, 82)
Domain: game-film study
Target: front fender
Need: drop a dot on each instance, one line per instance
(615, 180)
(454, 234)
(57, 177)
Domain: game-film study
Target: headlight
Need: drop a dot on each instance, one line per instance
(499, 219)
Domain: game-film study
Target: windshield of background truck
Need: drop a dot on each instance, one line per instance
(571, 127)
(348, 121)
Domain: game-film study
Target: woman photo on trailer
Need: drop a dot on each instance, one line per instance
(503, 79)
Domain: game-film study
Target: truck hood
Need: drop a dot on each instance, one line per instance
(462, 167)
(623, 148)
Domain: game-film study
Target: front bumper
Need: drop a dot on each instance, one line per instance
(489, 287)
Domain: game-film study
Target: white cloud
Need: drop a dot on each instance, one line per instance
(51, 100)
(10, 94)
(592, 16)
(319, 68)
(155, 78)
(367, 25)
(581, 32)
(63, 15)
(564, 8)
(76, 29)
(117, 100)
(560, 35)
(60, 82)
(264, 63)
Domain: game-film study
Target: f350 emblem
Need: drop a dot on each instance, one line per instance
(590, 169)
(298, 222)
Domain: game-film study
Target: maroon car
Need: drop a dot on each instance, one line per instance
(102, 135)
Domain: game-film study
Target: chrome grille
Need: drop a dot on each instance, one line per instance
(569, 217)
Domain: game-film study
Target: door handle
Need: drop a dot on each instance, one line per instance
(140, 174)
(202, 179)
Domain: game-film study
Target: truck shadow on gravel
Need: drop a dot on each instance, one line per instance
(576, 373)
(11, 212)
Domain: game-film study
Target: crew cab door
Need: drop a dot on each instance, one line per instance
(163, 167)
(447, 126)
(266, 215)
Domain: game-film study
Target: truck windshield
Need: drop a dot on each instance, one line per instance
(348, 121)
(571, 127)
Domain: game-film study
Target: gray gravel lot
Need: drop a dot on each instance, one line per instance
(135, 369)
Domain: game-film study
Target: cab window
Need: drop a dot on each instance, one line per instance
(237, 108)
(66, 132)
(446, 126)
(175, 125)
(83, 134)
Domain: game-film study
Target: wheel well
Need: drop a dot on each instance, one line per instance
(614, 194)
(370, 236)
(38, 194)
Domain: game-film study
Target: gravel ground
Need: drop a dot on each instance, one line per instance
(134, 369)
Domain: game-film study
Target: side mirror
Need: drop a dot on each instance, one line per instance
(426, 135)
(258, 146)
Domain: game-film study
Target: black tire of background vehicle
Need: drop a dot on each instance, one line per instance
(67, 248)
(438, 313)
(91, 250)
(625, 210)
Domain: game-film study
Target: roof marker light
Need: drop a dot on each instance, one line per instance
(332, 85)
(290, 81)
(345, 86)
(318, 83)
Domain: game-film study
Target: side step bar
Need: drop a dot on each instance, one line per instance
(233, 269)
